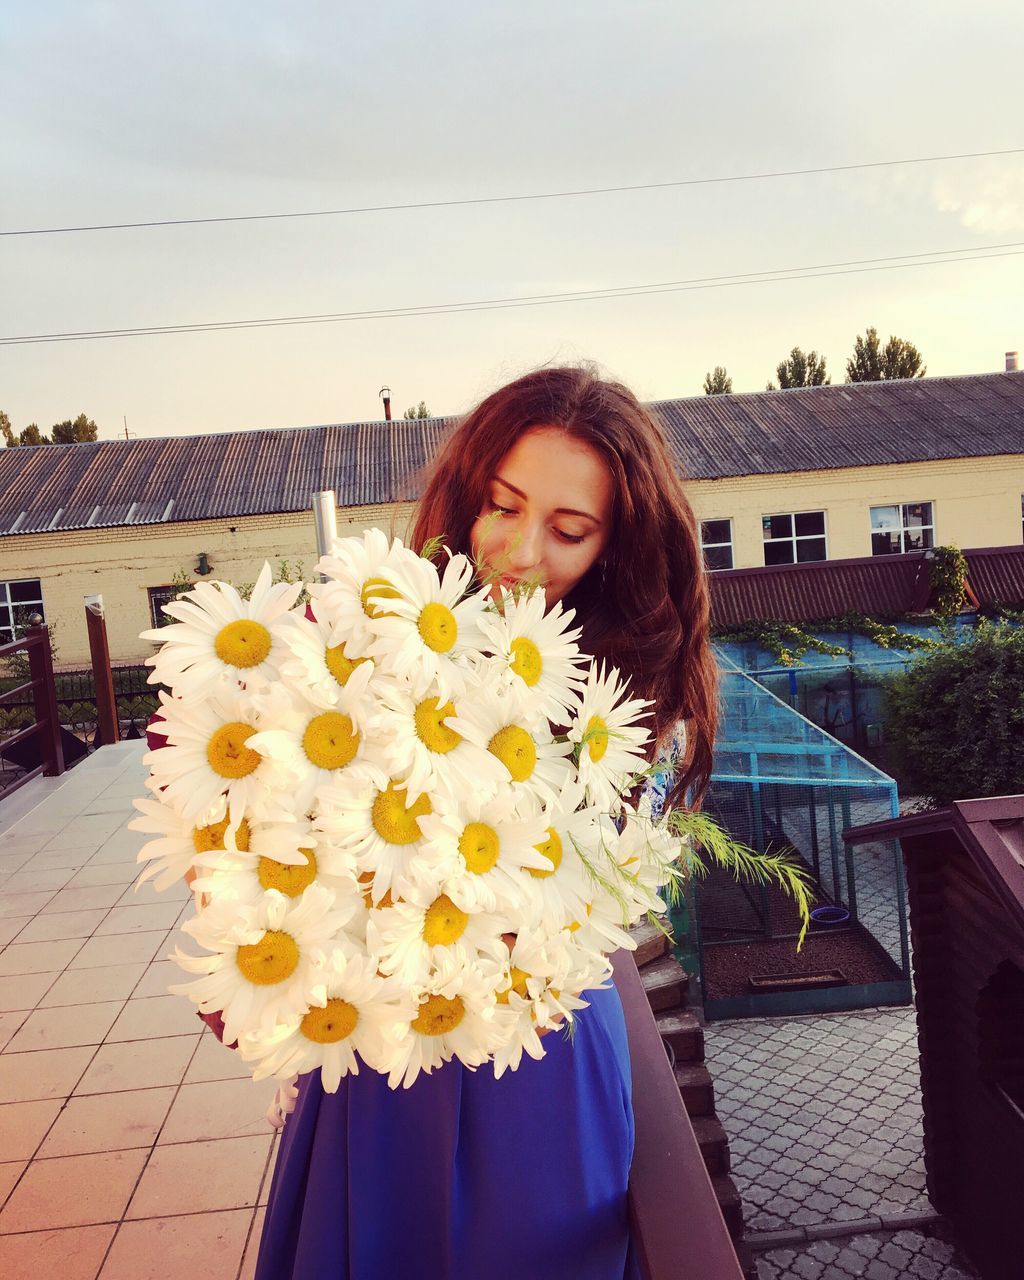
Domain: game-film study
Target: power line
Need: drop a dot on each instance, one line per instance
(543, 195)
(939, 257)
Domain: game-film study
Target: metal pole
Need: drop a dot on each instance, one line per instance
(40, 662)
(325, 517)
(108, 730)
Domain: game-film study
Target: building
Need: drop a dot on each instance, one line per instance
(786, 477)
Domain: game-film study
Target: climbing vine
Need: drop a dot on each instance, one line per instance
(948, 581)
(787, 642)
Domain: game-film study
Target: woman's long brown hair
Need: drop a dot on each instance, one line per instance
(648, 612)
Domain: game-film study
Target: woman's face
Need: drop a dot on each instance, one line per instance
(546, 513)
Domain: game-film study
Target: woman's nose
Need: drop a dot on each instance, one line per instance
(524, 548)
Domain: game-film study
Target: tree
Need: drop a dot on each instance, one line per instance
(32, 435)
(801, 369)
(69, 432)
(417, 411)
(717, 382)
(871, 362)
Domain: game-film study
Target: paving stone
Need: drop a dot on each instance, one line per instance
(884, 1255)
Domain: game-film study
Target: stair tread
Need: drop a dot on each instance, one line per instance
(677, 1020)
(692, 1073)
(663, 971)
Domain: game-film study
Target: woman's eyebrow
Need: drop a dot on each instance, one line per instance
(560, 511)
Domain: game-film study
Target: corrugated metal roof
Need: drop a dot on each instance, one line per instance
(879, 586)
(117, 482)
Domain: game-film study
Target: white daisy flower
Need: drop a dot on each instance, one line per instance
(363, 1016)
(603, 924)
(374, 817)
(563, 884)
(268, 961)
(537, 766)
(611, 742)
(276, 857)
(220, 636)
(455, 1019)
(427, 929)
(210, 755)
(314, 747)
(538, 651)
(428, 631)
(648, 853)
(481, 852)
(356, 591)
(419, 746)
(322, 660)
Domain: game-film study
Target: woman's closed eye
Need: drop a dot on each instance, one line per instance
(504, 512)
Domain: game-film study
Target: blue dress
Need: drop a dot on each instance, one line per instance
(461, 1176)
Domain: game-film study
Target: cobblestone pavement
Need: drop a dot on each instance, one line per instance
(881, 1255)
(823, 1115)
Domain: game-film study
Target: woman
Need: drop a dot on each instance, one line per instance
(564, 479)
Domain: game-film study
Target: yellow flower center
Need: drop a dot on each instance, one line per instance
(242, 643)
(517, 984)
(516, 750)
(330, 741)
(387, 901)
(437, 627)
(596, 737)
(208, 838)
(339, 665)
(444, 923)
(273, 959)
(434, 735)
(526, 660)
(576, 924)
(394, 820)
(438, 1015)
(328, 1026)
(288, 878)
(478, 844)
(227, 754)
(551, 848)
(379, 589)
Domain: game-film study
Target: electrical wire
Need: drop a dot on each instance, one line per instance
(511, 199)
(939, 257)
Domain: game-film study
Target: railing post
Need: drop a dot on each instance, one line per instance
(108, 730)
(44, 694)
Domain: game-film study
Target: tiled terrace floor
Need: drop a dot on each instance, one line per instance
(130, 1149)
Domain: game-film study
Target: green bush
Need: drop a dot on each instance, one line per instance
(955, 717)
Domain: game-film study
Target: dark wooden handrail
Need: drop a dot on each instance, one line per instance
(35, 643)
(677, 1226)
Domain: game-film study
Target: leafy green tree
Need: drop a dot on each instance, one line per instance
(717, 382)
(871, 362)
(32, 435)
(417, 411)
(69, 432)
(955, 718)
(801, 369)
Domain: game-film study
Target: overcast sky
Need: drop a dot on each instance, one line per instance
(116, 112)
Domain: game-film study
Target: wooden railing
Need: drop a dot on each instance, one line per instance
(46, 727)
(677, 1227)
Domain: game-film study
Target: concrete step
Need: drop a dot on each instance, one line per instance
(730, 1202)
(697, 1088)
(651, 943)
(683, 1031)
(713, 1142)
(665, 982)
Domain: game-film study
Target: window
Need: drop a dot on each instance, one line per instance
(902, 527)
(159, 596)
(716, 542)
(795, 538)
(19, 600)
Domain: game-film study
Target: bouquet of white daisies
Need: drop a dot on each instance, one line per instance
(372, 796)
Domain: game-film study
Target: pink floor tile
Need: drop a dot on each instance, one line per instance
(138, 1064)
(108, 1122)
(73, 1191)
(49, 1073)
(206, 1245)
(24, 991)
(62, 1028)
(66, 924)
(85, 986)
(155, 1016)
(122, 948)
(74, 1253)
(23, 1126)
(219, 1109)
(38, 957)
(190, 1177)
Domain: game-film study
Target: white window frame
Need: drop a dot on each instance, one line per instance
(795, 537)
(7, 605)
(709, 546)
(904, 529)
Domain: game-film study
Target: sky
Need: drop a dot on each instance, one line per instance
(127, 112)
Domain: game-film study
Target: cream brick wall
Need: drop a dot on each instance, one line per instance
(976, 503)
(121, 564)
